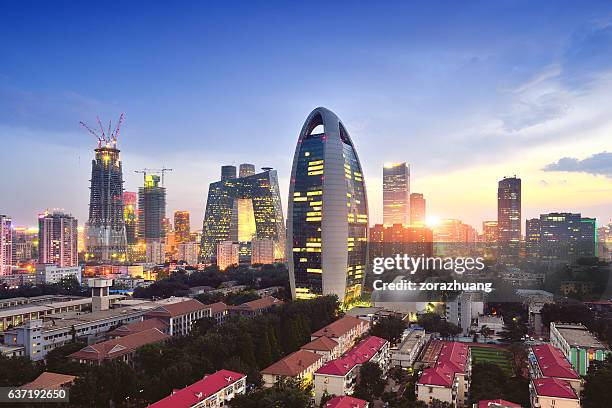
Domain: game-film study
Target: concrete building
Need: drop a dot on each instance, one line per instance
(180, 316)
(299, 365)
(396, 194)
(552, 393)
(324, 346)
(151, 215)
(418, 209)
(578, 344)
(509, 219)
(6, 245)
(327, 203)
(406, 353)
(256, 307)
(547, 361)
(57, 239)
(448, 379)
(213, 391)
(182, 226)
(50, 273)
(262, 251)
(227, 254)
(188, 252)
(346, 402)
(497, 403)
(339, 376)
(464, 310)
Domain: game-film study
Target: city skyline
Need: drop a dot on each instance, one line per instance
(528, 102)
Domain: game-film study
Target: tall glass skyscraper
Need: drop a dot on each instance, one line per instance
(327, 220)
(396, 194)
(509, 218)
(239, 209)
(106, 238)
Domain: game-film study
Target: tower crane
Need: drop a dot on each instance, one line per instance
(161, 171)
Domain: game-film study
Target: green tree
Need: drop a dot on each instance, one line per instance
(15, 371)
(371, 384)
(389, 328)
(598, 385)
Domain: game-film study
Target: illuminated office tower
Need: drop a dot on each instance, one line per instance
(228, 172)
(604, 242)
(130, 216)
(417, 209)
(6, 245)
(227, 254)
(327, 221)
(509, 218)
(106, 238)
(396, 194)
(262, 251)
(151, 214)
(246, 170)
(242, 209)
(561, 237)
(489, 231)
(182, 226)
(454, 231)
(57, 239)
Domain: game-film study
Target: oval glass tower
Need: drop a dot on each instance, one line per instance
(327, 219)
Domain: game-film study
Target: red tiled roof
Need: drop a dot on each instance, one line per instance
(361, 353)
(198, 391)
(345, 402)
(321, 344)
(117, 347)
(498, 403)
(49, 381)
(554, 387)
(126, 329)
(552, 362)
(217, 307)
(340, 327)
(178, 308)
(452, 359)
(294, 364)
(259, 304)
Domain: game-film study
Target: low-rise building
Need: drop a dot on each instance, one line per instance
(578, 344)
(552, 393)
(464, 309)
(213, 391)
(406, 353)
(137, 327)
(346, 402)
(447, 380)
(122, 348)
(547, 361)
(498, 403)
(50, 381)
(256, 307)
(219, 311)
(494, 323)
(180, 316)
(339, 376)
(344, 331)
(299, 365)
(328, 348)
(51, 273)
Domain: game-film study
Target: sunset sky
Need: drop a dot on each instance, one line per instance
(466, 92)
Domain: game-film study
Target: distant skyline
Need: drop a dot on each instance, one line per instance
(464, 93)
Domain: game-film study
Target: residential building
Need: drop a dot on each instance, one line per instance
(262, 252)
(547, 361)
(406, 353)
(344, 331)
(256, 307)
(339, 376)
(182, 226)
(418, 209)
(213, 391)
(106, 239)
(53, 273)
(552, 393)
(328, 348)
(448, 379)
(578, 345)
(346, 402)
(299, 365)
(242, 209)
(327, 203)
(396, 194)
(227, 254)
(453, 231)
(25, 244)
(464, 309)
(188, 252)
(497, 403)
(180, 316)
(151, 215)
(6, 245)
(120, 348)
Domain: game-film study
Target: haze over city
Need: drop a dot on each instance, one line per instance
(464, 94)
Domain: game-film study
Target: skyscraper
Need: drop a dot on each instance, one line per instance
(151, 214)
(25, 244)
(130, 216)
(57, 239)
(509, 218)
(417, 209)
(6, 245)
(327, 220)
(241, 209)
(396, 194)
(228, 172)
(489, 231)
(246, 170)
(106, 238)
(182, 226)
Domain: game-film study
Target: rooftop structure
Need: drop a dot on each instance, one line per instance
(361, 353)
(49, 381)
(498, 403)
(346, 402)
(578, 344)
(554, 387)
(257, 306)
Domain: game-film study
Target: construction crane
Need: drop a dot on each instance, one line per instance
(161, 171)
(107, 138)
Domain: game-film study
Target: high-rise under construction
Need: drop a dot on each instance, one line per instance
(151, 215)
(106, 238)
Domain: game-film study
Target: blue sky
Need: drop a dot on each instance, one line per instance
(466, 92)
